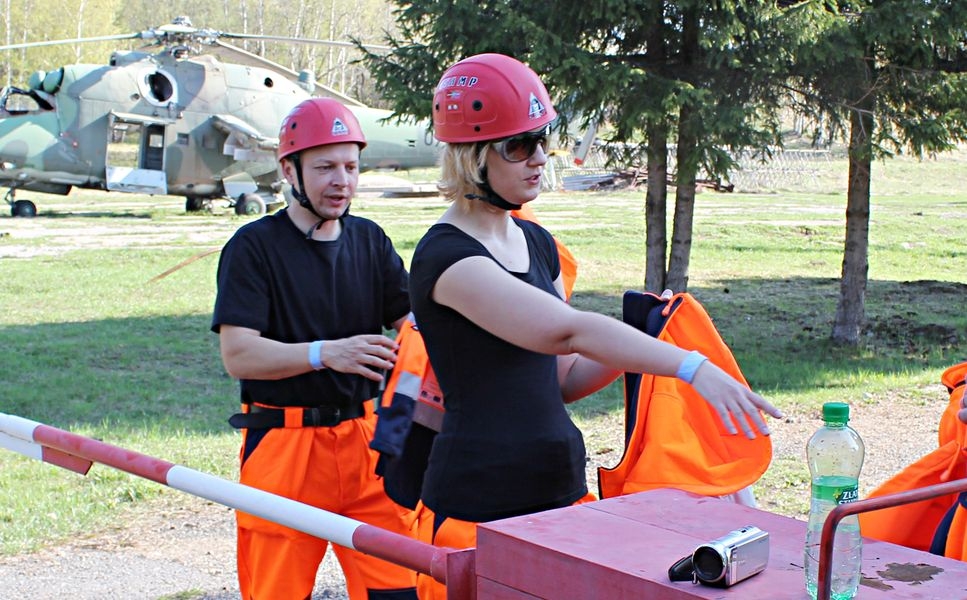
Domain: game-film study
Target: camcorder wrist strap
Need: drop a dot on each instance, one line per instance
(683, 570)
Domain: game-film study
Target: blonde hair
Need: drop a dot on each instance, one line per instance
(461, 166)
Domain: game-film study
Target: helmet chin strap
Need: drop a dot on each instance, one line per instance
(491, 197)
(304, 200)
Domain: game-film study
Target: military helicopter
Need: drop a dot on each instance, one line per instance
(174, 122)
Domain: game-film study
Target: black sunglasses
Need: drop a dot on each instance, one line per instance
(521, 146)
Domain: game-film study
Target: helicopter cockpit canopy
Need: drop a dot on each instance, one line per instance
(38, 98)
(46, 82)
(16, 101)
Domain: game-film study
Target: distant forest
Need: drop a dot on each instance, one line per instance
(31, 21)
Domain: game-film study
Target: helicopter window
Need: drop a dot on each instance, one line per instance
(182, 139)
(156, 140)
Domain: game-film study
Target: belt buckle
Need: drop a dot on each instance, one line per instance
(316, 417)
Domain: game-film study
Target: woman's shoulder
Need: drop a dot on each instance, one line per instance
(445, 233)
(444, 243)
(534, 230)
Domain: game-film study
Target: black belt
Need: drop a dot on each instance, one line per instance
(260, 417)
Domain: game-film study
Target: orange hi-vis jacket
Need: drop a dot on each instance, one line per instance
(938, 525)
(673, 438)
(411, 407)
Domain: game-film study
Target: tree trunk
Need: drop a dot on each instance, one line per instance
(851, 309)
(681, 246)
(656, 214)
(656, 131)
(686, 163)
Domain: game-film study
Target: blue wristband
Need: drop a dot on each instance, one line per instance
(686, 370)
(315, 355)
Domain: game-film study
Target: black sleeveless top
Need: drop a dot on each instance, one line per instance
(508, 446)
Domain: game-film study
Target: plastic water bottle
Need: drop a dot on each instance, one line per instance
(835, 456)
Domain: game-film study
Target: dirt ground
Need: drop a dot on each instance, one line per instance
(185, 548)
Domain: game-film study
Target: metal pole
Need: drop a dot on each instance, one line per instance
(824, 587)
(77, 453)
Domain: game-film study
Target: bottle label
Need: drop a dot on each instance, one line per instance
(836, 489)
(847, 495)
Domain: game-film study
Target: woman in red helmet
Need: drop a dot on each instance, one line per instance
(507, 350)
(303, 297)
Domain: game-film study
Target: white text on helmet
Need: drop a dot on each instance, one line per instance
(462, 81)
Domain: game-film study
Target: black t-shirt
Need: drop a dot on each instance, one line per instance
(292, 289)
(508, 446)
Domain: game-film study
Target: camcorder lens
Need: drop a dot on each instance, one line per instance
(708, 564)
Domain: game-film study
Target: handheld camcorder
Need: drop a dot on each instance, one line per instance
(738, 555)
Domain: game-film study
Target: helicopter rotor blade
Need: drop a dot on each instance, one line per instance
(103, 38)
(296, 40)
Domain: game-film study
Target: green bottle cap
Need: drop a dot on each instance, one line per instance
(836, 412)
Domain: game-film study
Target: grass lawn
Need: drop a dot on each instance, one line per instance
(107, 300)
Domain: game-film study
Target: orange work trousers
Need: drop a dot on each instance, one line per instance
(331, 468)
(452, 533)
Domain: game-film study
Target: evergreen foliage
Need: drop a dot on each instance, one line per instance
(712, 78)
(889, 76)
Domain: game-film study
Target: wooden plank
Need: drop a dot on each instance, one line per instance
(491, 590)
(621, 548)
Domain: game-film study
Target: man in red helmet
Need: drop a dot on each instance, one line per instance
(303, 297)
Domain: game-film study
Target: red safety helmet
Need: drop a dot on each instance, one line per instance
(489, 97)
(317, 122)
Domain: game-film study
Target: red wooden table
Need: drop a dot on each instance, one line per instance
(621, 548)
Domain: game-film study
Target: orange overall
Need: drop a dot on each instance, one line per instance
(330, 468)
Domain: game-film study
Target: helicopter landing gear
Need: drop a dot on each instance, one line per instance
(193, 204)
(20, 208)
(250, 204)
(23, 208)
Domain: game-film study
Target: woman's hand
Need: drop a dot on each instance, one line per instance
(734, 402)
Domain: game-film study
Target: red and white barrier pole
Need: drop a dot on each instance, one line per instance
(77, 453)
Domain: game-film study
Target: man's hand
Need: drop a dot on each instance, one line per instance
(367, 355)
